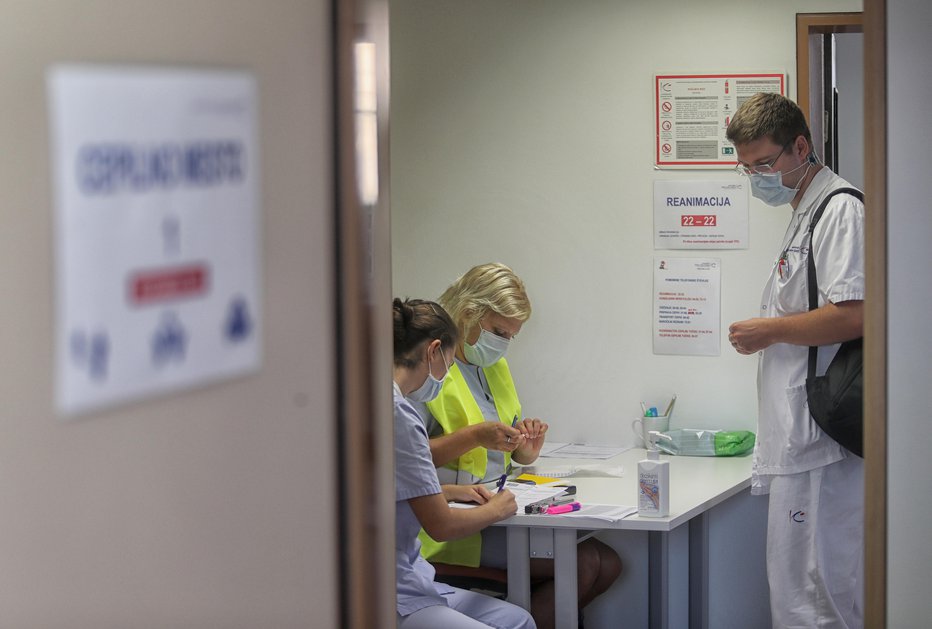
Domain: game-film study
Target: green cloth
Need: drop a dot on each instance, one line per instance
(693, 442)
(733, 442)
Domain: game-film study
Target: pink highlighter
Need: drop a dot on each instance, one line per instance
(567, 508)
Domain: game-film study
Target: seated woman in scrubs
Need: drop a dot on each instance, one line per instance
(477, 430)
(424, 339)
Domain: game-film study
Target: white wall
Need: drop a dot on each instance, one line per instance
(521, 132)
(909, 302)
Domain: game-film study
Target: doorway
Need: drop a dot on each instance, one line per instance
(830, 88)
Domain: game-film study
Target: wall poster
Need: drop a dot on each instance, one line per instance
(700, 214)
(692, 111)
(687, 306)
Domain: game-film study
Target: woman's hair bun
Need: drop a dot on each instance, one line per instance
(404, 310)
(416, 321)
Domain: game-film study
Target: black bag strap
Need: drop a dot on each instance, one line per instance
(810, 263)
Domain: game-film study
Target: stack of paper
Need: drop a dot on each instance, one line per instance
(524, 493)
(609, 513)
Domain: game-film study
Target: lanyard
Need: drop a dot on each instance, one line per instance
(783, 263)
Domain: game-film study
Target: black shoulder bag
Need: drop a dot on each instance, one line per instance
(836, 399)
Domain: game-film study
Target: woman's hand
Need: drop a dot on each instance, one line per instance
(504, 504)
(443, 523)
(466, 493)
(498, 436)
(533, 430)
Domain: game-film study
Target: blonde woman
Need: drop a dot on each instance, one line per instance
(477, 429)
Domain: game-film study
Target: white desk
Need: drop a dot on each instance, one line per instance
(696, 485)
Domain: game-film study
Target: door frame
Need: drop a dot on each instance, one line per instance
(875, 314)
(872, 22)
(808, 24)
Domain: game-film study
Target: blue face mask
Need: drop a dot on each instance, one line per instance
(488, 349)
(769, 188)
(431, 387)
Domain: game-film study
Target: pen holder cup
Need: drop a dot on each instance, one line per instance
(642, 426)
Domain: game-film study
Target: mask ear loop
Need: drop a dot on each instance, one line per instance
(430, 369)
(443, 361)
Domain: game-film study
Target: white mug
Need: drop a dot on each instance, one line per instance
(642, 426)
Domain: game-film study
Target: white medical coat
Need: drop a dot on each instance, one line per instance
(788, 440)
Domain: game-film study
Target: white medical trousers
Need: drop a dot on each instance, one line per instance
(815, 546)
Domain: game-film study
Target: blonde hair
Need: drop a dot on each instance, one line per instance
(768, 115)
(486, 287)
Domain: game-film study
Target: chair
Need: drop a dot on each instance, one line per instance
(493, 581)
(490, 581)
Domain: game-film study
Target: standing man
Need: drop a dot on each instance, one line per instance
(815, 522)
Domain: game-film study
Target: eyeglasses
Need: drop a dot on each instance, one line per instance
(761, 169)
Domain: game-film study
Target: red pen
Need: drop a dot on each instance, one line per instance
(567, 508)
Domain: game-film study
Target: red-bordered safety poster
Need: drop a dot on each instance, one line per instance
(692, 111)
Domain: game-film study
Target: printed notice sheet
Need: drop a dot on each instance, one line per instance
(580, 451)
(157, 283)
(687, 306)
(701, 214)
(692, 111)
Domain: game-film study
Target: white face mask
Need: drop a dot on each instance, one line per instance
(431, 387)
(488, 349)
(769, 188)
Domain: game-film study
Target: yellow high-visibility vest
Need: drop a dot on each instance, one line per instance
(455, 408)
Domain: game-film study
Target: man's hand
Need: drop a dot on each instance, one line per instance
(750, 336)
(831, 323)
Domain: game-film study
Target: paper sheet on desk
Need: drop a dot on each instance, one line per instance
(524, 495)
(609, 513)
(559, 450)
(569, 471)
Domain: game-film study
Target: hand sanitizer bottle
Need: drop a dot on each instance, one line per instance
(653, 482)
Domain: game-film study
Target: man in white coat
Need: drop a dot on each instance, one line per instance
(815, 523)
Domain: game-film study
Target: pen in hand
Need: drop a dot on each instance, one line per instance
(509, 438)
(501, 483)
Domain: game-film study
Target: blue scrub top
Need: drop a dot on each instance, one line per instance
(415, 476)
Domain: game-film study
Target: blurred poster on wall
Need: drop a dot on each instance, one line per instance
(157, 230)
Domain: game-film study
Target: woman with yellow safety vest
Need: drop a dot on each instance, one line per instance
(477, 430)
